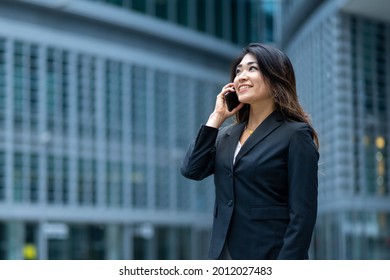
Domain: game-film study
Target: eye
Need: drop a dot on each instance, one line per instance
(253, 68)
(238, 71)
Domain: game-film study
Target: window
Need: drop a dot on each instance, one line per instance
(2, 176)
(162, 145)
(114, 191)
(182, 12)
(113, 102)
(201, 17)
(161, 8)
(139, 5)
(2, 81)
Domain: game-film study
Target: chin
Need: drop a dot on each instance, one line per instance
(243, 100)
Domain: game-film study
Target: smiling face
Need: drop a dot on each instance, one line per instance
(251, 86)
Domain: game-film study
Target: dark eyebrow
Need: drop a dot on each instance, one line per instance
(249, 63)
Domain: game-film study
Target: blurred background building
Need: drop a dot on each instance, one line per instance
(98, 102)
(100, 99)
(341, 53)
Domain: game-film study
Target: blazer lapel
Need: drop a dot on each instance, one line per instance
(234, 136)
(272, 122)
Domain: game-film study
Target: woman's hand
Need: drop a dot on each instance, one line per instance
(221, 112)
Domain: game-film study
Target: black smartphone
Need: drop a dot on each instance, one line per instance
(231, 100)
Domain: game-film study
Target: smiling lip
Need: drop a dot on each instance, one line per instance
(243, 88)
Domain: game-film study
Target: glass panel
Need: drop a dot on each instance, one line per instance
(161, 107)
(218, 18)
(139, 5)
(3, 241)
(2, 177)
(86, 92)
(161, 7)
(182, 12)
(86, 242)
(113, 102)
(18, 177)
(139, 140)
(51, 182)
(234, 20)
(34, 94)
(201, 15)
(2, 82)
(164, 247)
(114, 191)
(34, 171)
(143, 241)
(184, 243)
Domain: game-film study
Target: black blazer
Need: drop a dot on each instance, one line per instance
(266, 202)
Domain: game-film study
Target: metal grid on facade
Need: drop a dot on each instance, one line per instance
(96, 140)
(342, 66)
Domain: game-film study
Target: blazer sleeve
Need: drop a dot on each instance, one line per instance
(198, 162)
(303, 191)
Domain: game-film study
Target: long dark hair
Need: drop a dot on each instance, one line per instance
(278, 71)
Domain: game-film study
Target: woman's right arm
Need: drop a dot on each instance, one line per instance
(198, 162)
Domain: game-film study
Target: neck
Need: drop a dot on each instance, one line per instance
(258, 115)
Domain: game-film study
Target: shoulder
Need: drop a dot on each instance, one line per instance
(289, 126)
(297, 128)
(295, 125)
(298, 132)
(301, 136)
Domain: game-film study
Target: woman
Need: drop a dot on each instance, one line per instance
(265, 165)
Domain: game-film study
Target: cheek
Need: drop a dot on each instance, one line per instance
(235, 82)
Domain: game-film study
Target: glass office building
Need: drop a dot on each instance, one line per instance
(98, 102)
(341, 53)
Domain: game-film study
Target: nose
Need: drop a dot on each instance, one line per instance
(242, 76)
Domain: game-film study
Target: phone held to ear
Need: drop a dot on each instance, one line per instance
(231, 100)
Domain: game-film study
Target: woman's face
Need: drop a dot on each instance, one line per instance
(249, 83)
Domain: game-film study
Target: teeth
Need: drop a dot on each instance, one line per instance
(244, 87)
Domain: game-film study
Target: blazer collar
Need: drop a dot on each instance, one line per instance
(272, 122)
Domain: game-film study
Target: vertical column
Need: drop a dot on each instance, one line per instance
(172, 10)
(42, 242)
(210, 17)
(151, 244)
(42, 128)
(130, 229)
(241, 27)
(128, 246)
(127, 147)
(100, 121)
(9, 121)
(150, 140)
(192, 127)
(151, 7)
(27, 194)
(15, 233)
(361, 109)
(57, 127)
(194, 243)
(387, 94)
(172, 130)
(226, 20)
(73, 133)
(113, 241)
(172, 243)
(192, 13)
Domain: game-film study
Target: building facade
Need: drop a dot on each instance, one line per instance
(341, 54)
(98, 102)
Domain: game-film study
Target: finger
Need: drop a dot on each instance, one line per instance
(228, 86)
